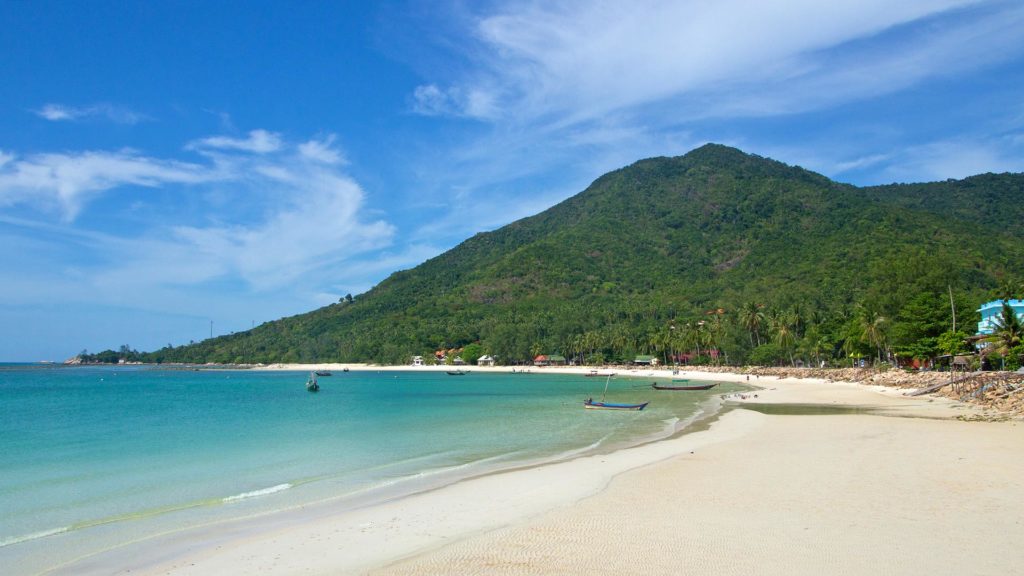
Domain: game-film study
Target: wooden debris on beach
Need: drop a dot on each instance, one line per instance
(1001, 392)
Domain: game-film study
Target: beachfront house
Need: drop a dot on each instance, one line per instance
(485, 360)
(417, 360)
(645, 360)
(549, 360)
(992, 311)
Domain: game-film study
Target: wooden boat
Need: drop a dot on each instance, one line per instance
(595, 373)
(657, 386)
(324, 373)
(589, 404)
(457, 373)
(311, 383)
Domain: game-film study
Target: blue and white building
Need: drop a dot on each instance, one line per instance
(991, 311)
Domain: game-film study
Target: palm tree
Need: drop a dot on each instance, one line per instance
(715, 330)
(874, 329)
(783, 325)
(752, 318)
(1009, 289)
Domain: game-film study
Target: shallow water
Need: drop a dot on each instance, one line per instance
(96, 456)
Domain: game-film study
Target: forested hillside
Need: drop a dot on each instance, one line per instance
(716, 249)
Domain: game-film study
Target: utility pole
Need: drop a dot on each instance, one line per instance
(952, 306)
(952, 359)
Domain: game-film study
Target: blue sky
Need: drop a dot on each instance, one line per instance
(165, 165)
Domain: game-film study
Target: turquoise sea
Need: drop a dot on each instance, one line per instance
(94, 457)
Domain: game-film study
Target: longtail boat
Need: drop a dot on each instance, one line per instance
(657, 386)
(591, 405)
(311, 384)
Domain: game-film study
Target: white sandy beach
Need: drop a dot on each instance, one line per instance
(754, 494)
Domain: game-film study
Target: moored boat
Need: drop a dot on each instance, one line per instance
(311, 383)
(457, 373)
(323, 373)
(589, 404)
(657, 386)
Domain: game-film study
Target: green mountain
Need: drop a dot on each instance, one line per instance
(662, 242)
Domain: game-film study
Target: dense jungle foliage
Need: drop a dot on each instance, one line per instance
(715, 256)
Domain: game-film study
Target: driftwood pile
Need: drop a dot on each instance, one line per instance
(999, 392)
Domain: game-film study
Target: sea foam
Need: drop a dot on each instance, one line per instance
(255, 493)
(33, 536)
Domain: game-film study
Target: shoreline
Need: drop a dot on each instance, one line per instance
(419, 531)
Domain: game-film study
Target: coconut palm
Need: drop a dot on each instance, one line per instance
(1009, 290)
(783, 325)
(715, 329)
(752, 318)
(874, 329)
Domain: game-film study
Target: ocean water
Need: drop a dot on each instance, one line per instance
(94, 457)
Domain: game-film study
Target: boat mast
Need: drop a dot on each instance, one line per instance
(603, 394)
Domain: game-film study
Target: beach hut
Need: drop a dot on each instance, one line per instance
(549, 360)
(485, 360)
(645, 360)
(417, 360)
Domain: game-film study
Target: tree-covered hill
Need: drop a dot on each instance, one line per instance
(787, 260)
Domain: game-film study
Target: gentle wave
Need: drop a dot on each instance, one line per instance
(255, 493)
(423, 474)
(33, 536)
(569, 454)
(671, 426)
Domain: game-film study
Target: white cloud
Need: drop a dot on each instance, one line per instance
(297, 217)
(67, 180)
(477, 102)
(60, 112)
(319, 226)
(953, 158)
(56, 112)
(578, 61)
(322, 150)
(259, 142)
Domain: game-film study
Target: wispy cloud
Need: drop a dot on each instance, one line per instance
(258, 141)
(954, 158)
(477, 102)
(61, 112)
(571, 62)
(322, 150)
(298, 212)
(67, 180)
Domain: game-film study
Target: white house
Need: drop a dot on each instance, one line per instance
(485, 360)
(417, 360)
